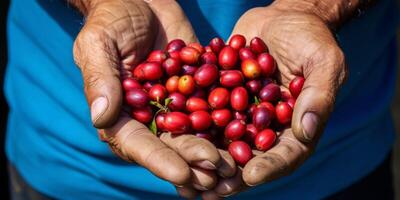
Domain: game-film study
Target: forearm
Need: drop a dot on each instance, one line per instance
(333, 12)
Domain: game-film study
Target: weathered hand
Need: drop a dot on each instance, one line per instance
(302, 45)
(116, 36)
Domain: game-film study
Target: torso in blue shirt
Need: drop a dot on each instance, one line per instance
(53, 145)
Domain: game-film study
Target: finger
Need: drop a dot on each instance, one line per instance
(103, 46)
(227, 168)
(97, 57)
(279, 161)
(210, 195)
(196, 151)
(230, 186)
(203, 179)
(134, 142)
(173, 21)
(187, 192)
(317, 98)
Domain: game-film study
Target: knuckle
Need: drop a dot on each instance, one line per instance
(88, 43)
(187, 142)
(122, 138)
(277, 165)
(274, 159)
(199, 144)
(139, 131)
(336, 59)
(329, 62)
(295, 145)
(155, 153)
(284, 166)
(295, 150)
(264, 168)
(199, 149)
(92, 80)
(328, 57)
(92, 33)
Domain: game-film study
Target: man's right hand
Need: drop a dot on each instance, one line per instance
(117, 35)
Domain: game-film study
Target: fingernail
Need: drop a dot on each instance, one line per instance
(205, 164)
(310, 122)
(199, 187)
(98, 107)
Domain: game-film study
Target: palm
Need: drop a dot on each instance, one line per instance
(302, 45)
(118, 35)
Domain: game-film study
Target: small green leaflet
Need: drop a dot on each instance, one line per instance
(153, 126)
(158, 105)
(256, 100)
(167, 101)
(161, 108)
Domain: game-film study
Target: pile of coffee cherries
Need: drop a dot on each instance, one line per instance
(225, 93)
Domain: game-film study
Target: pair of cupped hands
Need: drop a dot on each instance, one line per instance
(118, 34)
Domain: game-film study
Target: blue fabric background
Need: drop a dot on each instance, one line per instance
(53, 145)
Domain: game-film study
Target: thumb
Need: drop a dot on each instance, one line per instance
(97, 57)
(317, 98)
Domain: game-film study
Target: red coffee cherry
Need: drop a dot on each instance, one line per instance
(177, 123)
(218, 98)
(235, 129)
(228, 57)
(265, 139)
(296, 85)
(240, 152)
(221, 117)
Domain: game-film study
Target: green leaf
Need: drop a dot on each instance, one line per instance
(167, 101)
(153, 126)
(153, 103)
(158, 105)
(256, 100)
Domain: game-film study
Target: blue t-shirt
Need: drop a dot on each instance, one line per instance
(53, 145)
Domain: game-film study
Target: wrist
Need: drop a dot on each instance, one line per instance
(332, 13)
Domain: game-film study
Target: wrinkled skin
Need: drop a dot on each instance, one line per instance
(302, 45)
(117, 35)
